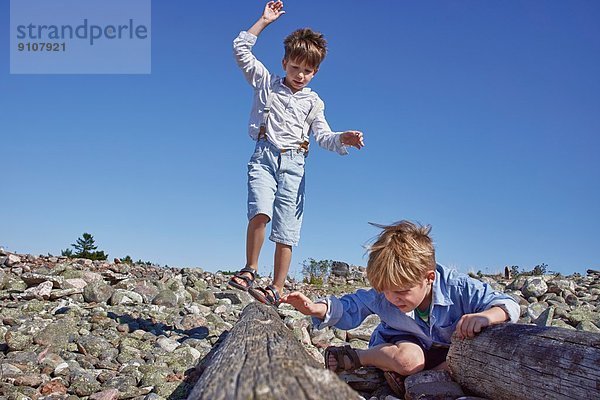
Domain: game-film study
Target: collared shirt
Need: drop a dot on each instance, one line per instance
(288, 111)
(454, 295)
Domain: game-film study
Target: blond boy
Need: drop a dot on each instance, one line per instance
(420, 304)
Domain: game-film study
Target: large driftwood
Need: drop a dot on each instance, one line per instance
(514, 361)
(261, 359)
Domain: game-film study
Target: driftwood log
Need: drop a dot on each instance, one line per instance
(515, 361)
(261, 359)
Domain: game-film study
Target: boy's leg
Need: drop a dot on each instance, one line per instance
(261, 194)
(255, 237)
(283, 259)
(288, 209)
(405, 358)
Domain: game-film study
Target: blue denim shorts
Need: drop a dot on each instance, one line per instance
(276, 189)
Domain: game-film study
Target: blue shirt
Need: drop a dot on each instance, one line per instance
(454, 295)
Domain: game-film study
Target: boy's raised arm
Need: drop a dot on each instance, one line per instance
(273, 10)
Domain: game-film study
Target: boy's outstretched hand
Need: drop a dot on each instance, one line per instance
(273, 10)
(305, 305)
(352, 138)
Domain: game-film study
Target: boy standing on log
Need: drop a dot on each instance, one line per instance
(283, 114)
(420, 304)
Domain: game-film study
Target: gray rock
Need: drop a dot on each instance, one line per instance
(534, 287)
(545, 318)
(166, 298)
(534, 310)
(340, 269)
(97, 292)
(122, 296)
(587, 326)
(12, 260)
(580, 315)
(206, 298)
(234, 297)
(95, 346)
(41, 291)
(3, 278)
(558, 285)
(18, 338)
(365, 329)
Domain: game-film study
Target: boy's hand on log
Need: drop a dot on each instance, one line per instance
(305, 305)
(470, 324)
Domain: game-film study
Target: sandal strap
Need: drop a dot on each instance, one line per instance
(339, 353)
(351, 353)
(250, 270)
(269, 294)
(275, 297)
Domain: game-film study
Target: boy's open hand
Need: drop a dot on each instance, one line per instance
(352, 138)
(273, 10)
(305, 305)
(470, 324)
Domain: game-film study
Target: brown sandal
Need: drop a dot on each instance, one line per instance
(249, 280)
(339, 353)
(268, 295)
(396, 382)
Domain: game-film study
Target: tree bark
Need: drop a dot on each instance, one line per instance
(261, 359)
(515, 361)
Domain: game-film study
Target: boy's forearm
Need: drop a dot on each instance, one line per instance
(496, 315)
(258, 26)
(319, 310)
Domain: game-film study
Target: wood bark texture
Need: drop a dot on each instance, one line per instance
(516, 361)
(261, 359)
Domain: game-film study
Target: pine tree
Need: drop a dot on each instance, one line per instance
(85, 248)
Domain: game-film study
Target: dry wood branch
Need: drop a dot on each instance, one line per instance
(261, 359)
(515, 361)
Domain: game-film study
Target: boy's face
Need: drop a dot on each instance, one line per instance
(409, 298)
(298, 74)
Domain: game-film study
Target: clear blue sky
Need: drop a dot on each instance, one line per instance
(480, 118)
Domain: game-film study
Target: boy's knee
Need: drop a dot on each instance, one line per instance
(409, 359)
(260, 219)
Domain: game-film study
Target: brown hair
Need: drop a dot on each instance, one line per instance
(401, 256)
(307, 46)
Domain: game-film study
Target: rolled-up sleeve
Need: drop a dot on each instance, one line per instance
(481, 296)
(348, 311)
(325, 137)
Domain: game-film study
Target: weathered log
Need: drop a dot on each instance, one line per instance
(515, 361)
(261, 359)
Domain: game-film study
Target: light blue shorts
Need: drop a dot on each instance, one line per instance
(276, 189)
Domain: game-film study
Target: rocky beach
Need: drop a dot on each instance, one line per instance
(81, 329)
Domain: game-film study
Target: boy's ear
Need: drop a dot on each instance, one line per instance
(284, 63)
(430, 276)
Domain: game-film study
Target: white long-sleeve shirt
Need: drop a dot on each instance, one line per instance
(288, 110)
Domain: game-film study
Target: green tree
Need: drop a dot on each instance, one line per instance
(315, 272)
(85, 248)
(540, 269)
(514, 270)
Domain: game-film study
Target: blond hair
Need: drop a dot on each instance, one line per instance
(305, 46)
(401, 256)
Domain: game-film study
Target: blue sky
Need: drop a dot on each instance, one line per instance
(480, 118)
